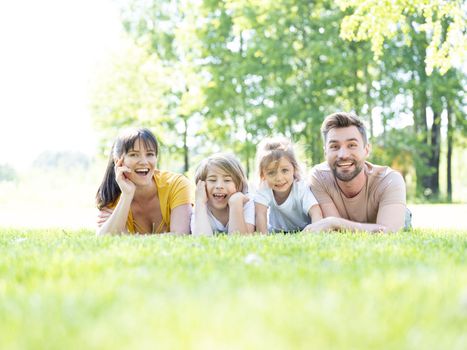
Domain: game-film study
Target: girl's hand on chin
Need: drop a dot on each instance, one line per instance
(238, 197)
(125, 184)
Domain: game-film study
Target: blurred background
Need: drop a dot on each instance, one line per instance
(210, 76)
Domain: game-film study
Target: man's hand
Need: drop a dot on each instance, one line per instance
(332, 223)
(327, 224)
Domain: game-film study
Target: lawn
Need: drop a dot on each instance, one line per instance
(72, 290)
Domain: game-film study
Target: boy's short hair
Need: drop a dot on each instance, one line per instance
(271, 150)
(229, 164)
(342, 120)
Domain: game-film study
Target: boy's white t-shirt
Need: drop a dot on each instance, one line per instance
(218, 227)
(292, 215)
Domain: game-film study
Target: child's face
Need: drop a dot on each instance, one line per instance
(279, 175)
(219, 187)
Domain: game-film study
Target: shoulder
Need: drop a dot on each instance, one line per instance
(384, 179)
(249, 212)
(168, 178)
(321, 173)
(321, 168)
(300, 186)
(249, 206)
(263, 195)
(383, 173)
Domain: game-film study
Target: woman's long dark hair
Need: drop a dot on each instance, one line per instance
(109, 191)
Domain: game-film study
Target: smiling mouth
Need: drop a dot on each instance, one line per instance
(142, 172)
(219, 195)
(344, 164)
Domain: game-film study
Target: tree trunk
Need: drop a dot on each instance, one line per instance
(369, 103)
(185, 145)
(435, 153)
(449, 153)
(420, 104)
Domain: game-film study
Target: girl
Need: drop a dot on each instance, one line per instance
(134, 196)
(221, 204)
(292, 206)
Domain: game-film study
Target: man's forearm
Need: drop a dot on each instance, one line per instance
(332, 223)
(354, 226)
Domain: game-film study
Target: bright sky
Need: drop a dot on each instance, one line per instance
(48, 52)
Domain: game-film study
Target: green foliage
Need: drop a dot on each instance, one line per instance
(129, 92)
(159, 87)
(213, 76)
(74, 290)
(274, 70)
(443, 21)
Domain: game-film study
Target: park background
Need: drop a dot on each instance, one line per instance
(211, 76)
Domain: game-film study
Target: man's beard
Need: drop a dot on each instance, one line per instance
(347, 176)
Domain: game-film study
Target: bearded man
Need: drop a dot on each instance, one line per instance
(353, 193)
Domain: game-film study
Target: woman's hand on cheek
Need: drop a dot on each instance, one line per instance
(121, 176)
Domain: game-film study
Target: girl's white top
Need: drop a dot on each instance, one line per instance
(216, 225)
(292, 215)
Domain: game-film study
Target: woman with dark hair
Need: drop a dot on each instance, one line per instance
(134, 196)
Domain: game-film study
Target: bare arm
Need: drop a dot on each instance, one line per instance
(237, 222)
(201, 223)
(261, 218)
(116, 222)
(392, 217)
(180, 219)
(334, 222)
(316, 215)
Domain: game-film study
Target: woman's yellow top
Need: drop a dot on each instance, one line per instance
(173, 190)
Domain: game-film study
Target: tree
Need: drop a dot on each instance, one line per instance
(280, 67)
(166, 27)
(444, 22)
(129, 92)
(423, 40)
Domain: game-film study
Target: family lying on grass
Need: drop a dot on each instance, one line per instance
(344, 193)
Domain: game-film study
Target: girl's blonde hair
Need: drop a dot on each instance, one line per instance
(229, 164)
(271, 150)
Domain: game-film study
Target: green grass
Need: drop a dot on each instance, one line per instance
(72, 290)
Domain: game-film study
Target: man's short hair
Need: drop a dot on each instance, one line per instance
(342, 120)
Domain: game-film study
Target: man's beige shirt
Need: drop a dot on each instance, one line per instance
(383, 186)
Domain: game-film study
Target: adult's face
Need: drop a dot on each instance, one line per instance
(142, 163)
(345, 152)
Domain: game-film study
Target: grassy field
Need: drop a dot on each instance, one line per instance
(71, 290)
